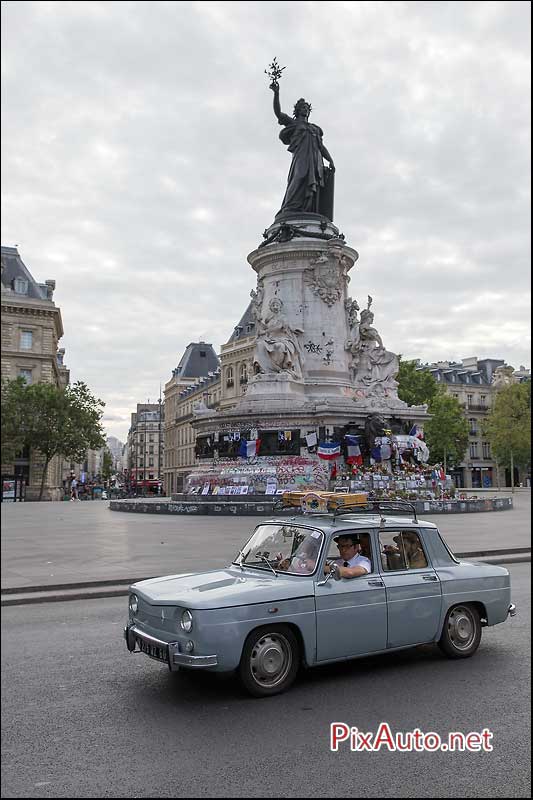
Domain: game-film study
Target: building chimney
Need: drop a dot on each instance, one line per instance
(50, 286)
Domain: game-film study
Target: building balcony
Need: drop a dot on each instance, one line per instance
(476, 407)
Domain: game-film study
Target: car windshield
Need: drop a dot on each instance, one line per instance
(282, 548)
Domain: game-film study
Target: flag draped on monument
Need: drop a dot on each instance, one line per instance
(329, 450)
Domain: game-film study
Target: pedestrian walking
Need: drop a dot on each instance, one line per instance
(74, 489)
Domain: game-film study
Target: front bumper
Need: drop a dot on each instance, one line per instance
(170, 653)
(511, 611)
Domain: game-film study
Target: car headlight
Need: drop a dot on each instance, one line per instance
(186, 621)
(134, 603)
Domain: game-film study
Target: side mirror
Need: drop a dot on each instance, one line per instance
(334, 572)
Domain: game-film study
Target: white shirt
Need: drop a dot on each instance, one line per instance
(356, 561)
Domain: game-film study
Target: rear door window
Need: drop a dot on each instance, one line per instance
(401, 550)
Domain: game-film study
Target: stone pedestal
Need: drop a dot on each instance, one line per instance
(300, 312)
(317, 366)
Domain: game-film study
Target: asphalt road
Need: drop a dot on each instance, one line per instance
(57, 543)
(81, 717)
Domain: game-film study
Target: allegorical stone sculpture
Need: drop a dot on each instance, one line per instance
(372, 366)
(310, 183)
(278, 346)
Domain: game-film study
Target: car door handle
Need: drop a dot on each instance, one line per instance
(376, 583)
(429, 578)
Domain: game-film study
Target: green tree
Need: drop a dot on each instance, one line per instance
(415, 386)
(13, 397)
(508, 426)
(446, 432)
(62, 422)
(107, 464)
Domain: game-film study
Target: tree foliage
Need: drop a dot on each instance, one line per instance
(508, 426)
(446, 432)
(55, 421)
(415, 386)
(107, 464)
(12, 419)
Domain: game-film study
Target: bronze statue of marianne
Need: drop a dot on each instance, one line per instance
(310, 183)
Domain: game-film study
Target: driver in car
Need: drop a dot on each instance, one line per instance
(351, 563)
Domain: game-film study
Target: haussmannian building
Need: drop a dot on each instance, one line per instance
(145, 447)
(31, 330)
(203, 380)
(196, 380)
(236, 361)
(475, 382)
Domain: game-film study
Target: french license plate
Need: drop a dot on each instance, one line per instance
(152, 650)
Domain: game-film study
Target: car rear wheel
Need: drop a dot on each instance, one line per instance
(461, 634)
(270, 660)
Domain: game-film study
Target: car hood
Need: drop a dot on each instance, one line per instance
(222, 588)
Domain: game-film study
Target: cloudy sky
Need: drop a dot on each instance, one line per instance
(141, 163)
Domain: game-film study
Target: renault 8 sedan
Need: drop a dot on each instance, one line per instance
(283, 602)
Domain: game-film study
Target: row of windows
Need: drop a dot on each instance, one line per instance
(473, 399)
(474, 450)
(210, 398)
(243, 374)
(180, 458)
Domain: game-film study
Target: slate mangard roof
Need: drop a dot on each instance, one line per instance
(14, 267)
(246, 326)
(198, 360)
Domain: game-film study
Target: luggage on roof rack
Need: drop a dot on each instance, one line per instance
(379, 506)
(322, 502)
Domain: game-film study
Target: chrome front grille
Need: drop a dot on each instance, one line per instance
(159, 618)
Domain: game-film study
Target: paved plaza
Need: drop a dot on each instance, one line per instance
(47, 544)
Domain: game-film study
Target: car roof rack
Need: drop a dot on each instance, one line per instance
(330, 506)
(378, 506)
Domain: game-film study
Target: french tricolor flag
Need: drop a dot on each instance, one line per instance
(329, 450)
(250, 448)
(353, 451)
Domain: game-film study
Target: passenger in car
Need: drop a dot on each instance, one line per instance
(408, 556)
(351, 563)
(304, 560)
(413, 550)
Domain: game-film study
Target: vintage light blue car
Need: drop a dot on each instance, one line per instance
(286, 600)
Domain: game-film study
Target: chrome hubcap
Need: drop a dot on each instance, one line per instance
(461, 628)
(271, 660)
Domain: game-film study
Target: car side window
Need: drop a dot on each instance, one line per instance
(364, 550)
(401, 550)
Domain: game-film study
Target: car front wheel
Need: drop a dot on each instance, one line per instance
(270, 660)
(461, 634)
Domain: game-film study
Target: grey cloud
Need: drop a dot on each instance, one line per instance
(141, 162)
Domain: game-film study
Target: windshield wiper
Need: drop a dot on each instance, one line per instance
(267, 562)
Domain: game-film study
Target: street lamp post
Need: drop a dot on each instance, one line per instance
(159, 483)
